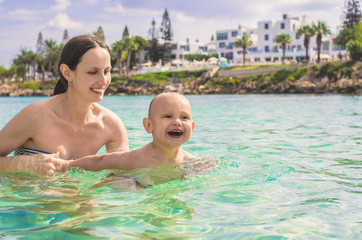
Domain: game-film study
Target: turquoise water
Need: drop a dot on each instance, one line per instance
(291, 169)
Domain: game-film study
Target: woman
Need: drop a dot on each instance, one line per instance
(71, 122)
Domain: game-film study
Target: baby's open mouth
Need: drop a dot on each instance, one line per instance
(175, 133)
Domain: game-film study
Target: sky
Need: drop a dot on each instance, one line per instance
(22, 20)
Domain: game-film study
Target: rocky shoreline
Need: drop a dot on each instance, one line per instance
(309, 84)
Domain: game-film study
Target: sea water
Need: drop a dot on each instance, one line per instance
(291, 168)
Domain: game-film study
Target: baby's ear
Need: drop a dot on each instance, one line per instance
(193, 125)
(147, 125)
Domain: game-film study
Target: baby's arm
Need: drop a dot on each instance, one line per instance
(116, 160)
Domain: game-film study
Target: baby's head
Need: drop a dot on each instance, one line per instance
(169, 118)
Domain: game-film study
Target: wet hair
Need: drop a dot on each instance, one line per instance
(72, 54)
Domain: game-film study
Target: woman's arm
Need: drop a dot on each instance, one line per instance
(15, 133)
(18, 130)
(40, 164)
(118, 134)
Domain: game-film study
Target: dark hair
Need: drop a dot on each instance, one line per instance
(72, 54)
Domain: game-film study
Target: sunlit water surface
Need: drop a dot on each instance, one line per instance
(290, 169)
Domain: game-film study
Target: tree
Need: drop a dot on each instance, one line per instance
(283, 39)
(117, 49)
(41, 63)
(129, 46)
(244, 42)
(52, 51)
(320, 29)
(141, 44)
(354, 46)
(352, 13)
(26, 58)
(167, 35)
(125, 48)
(99, 33)
(308, 32)
(65, 36)
(2, 73)
(40, 44)
(344, 36)
(152, 32)
(125, 33)
(153, 46)
(154, 51)
(166, 27)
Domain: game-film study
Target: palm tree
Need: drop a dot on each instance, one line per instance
(28, 60)
(129, 46)
(118, 49)
(141, 43)
(244, 42)
(283, 39)
(41, 62)
(50, 52)
(320, 29)
(308, 32)
(32, 62)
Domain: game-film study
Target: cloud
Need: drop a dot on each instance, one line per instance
(137, 12)
(182, 17)
(61, 5)
(117, 8)
(63, 21)
(22, 14)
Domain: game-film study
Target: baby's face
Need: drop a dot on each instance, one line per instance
(171, 120)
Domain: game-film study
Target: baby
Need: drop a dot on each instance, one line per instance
(170, 122)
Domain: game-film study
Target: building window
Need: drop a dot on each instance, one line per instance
(174, 46)
(266, 25)
(297, 36)
(266, 48)
(231, 45)
(222, 36)
(282, 26)
(221, 45)
(266, 37)
(293, 27)
(234, 33)
(173, 56)
(229, 55)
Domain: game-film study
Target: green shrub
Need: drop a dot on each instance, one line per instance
(355, 50)
(280, 76)
(323, 71)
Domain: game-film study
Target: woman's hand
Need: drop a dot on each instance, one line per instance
(40, 164)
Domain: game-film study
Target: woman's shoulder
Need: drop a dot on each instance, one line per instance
(106, 114)
(37, 108)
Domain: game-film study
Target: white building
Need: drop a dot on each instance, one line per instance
(182, 48)
(265, 47)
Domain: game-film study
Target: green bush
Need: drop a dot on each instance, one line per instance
(323, 71)
(280, 76)
(355, 50)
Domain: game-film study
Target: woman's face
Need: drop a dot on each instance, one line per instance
(92, 75)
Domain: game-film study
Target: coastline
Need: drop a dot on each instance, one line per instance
(314, 80)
